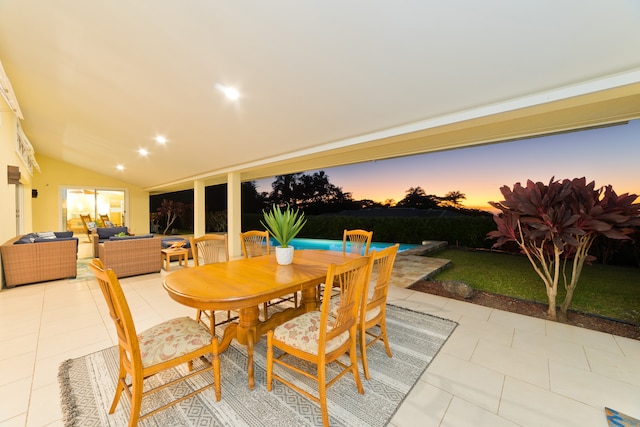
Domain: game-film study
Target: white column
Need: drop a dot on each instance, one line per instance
(234, 217)
(199, 212)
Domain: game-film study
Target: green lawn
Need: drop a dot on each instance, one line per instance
(608, 291)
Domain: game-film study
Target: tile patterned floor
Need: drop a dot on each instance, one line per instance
(497, 368)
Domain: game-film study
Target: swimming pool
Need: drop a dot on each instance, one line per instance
(336, 245)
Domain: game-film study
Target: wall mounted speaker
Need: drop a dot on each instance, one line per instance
(34, 193)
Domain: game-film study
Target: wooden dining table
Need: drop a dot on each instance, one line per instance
(243, 285)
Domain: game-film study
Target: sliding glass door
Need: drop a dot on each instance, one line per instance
(100, 204)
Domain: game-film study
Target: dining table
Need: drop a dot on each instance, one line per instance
(243, 285)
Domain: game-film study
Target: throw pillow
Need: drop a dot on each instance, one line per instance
(108, 224)
(91, 225)
(27, 238)
(46, 235)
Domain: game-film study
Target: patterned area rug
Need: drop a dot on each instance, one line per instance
(82, 270)
(618, 419)
(88, 383)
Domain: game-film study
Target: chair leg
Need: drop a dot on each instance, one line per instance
(269, 360)
(136, 402)
(383, 330)
(363, 352)
(122, 376)
(212, 323)
(322, 393)
(353, 357)
(215, 361)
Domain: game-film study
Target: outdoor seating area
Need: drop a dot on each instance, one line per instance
(491, 367)
(490, 370)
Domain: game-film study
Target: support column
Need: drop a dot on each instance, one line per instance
(199, 210)
(234, 211)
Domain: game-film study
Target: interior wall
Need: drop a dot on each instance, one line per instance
(57, 174)
(9, 157)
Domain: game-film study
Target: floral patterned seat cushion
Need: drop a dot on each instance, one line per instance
(302, 333)
(171, 339)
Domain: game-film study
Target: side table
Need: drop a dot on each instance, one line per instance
(181, 253)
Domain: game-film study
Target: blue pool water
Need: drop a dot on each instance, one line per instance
(336, 245)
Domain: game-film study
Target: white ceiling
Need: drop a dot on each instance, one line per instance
(322, 83)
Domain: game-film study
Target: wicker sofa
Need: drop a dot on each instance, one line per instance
(131, 255)
(32, 259)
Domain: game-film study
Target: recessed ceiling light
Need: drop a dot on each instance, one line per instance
(161, 139)
(143, 152)
(120, 167)
(230, 92)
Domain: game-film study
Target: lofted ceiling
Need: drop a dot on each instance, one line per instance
(321, 83)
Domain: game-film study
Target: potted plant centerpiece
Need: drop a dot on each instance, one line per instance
(284, 225)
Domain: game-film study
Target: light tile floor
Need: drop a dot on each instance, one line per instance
(496, 369)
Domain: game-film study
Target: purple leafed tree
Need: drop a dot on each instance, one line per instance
(172, 210)
(555, 225)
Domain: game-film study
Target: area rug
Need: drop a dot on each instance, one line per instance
(82, 270)
(618, 419)
(88, 383)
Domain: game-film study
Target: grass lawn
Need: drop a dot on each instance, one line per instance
(608, 291)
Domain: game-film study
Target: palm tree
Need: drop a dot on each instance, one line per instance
(454, 197)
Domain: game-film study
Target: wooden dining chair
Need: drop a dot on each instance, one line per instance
(373, 309)
(320, 338)
(210, 249)
(257, 243)
(164, 346)
(356, 241)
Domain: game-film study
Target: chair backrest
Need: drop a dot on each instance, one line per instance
(209, 249)
(120, 314)
(383, 265)
(255, 243)
(105, 219)
(350, 277)
(86, 222)
(359, 241)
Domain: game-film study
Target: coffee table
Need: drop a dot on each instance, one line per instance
(181, 253)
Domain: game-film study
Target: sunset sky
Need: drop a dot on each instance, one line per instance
(607, 156)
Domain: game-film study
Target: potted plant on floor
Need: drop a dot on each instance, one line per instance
(284, 225)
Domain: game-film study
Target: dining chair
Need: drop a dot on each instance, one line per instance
(210, 249)
(257, 243)
(356, 241)
(163, 346)
(321, 338)
(373, 309)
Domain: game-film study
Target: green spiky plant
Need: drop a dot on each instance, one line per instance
(283, 224)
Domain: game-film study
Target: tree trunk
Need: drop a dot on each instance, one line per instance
(551, 313)
(170, 220)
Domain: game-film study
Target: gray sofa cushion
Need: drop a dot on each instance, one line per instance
(106, 233)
